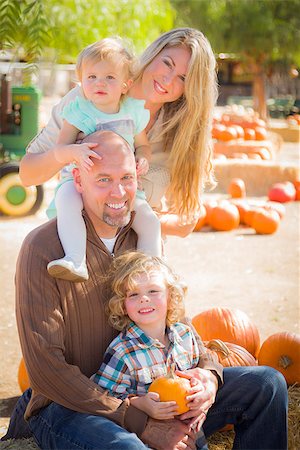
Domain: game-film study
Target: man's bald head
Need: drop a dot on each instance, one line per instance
(108, 143)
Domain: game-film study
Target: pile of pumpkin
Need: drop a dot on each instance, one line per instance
(234, 339)
(241, 134)
(263, 216)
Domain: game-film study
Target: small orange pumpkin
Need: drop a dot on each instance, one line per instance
(23, 379)
(229, 325)
(172, 388)
(243, 207)
(260, 134)
(228, 134)
(229, 354)
(224, 217)
(249, 134)
(282, 352)
(265, 221)
(237, 188)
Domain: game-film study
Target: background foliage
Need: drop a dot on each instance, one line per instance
(59, 29)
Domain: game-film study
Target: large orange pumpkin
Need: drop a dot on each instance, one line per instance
(282, 352)
(229, 325)
(224, 217)
(23, 379)
(172, 388)
(229, 354)
(265, 221)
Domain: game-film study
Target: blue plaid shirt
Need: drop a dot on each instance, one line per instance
(133, 359)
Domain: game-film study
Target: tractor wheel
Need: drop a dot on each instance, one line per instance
(15, 199)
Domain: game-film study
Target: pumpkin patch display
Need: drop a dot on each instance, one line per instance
(224, 217)
(23, 379)
(172, 388)
(229, 354)
(282, 192)
(265, 221)
(229, 325)
(237, 188)
(282, 352)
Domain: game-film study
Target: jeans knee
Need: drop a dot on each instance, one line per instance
(274, 382)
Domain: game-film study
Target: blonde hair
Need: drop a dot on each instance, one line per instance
(187, 122)
(112, 49)
(122, 277)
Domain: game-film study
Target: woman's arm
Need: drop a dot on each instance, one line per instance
(171, 225)
(37, 166)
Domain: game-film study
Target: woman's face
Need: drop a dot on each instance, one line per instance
(163, 79)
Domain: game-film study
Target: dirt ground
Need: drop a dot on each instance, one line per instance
(237, 269)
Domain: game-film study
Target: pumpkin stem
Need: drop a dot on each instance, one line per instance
(218, 345)
(284, 361)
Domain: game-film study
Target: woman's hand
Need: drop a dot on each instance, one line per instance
(142, 166)
(156, 409)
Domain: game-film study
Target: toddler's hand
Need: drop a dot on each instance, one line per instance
(82, 154)
(142, 166)
(151, 405)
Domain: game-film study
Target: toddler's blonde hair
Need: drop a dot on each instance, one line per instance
(112, 49)
(122, 277)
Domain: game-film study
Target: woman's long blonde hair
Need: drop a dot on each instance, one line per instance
(187, 122)
(122, 277)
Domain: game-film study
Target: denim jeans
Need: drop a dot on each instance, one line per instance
(253, 399)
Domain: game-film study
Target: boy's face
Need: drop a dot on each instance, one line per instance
(103, 83)
(147, 303)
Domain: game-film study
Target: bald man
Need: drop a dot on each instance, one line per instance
(63, 328)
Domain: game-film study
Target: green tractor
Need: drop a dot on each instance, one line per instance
(19, 110)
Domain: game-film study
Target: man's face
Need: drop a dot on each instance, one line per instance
(108, 189)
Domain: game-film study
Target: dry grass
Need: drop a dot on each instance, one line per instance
(219, 441)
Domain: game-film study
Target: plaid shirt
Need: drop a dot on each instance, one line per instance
(133, 359)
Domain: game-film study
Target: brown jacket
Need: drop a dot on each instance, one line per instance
(63, 328)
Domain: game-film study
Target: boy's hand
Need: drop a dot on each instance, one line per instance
(142, 166)
(151, 405)
(82, 154)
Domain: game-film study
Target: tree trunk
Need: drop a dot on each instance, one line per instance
(259, 91)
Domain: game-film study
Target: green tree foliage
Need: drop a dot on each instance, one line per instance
(59, 29)
(259, 32)
(23, 28)
(261, 29)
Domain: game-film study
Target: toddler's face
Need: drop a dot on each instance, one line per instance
(103, 83)
(147, 303)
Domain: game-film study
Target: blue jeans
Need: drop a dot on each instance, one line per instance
(253, 399)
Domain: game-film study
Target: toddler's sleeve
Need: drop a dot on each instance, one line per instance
(140, 114)
(79, 114)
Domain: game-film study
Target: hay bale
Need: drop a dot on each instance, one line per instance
(294, 418)
(257, 175)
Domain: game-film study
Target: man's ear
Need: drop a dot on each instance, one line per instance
(77, 179)
(126, 86)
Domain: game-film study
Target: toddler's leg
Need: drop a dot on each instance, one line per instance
(72, 233)
(147, 227)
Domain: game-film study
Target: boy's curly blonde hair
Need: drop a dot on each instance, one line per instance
(122, 277)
